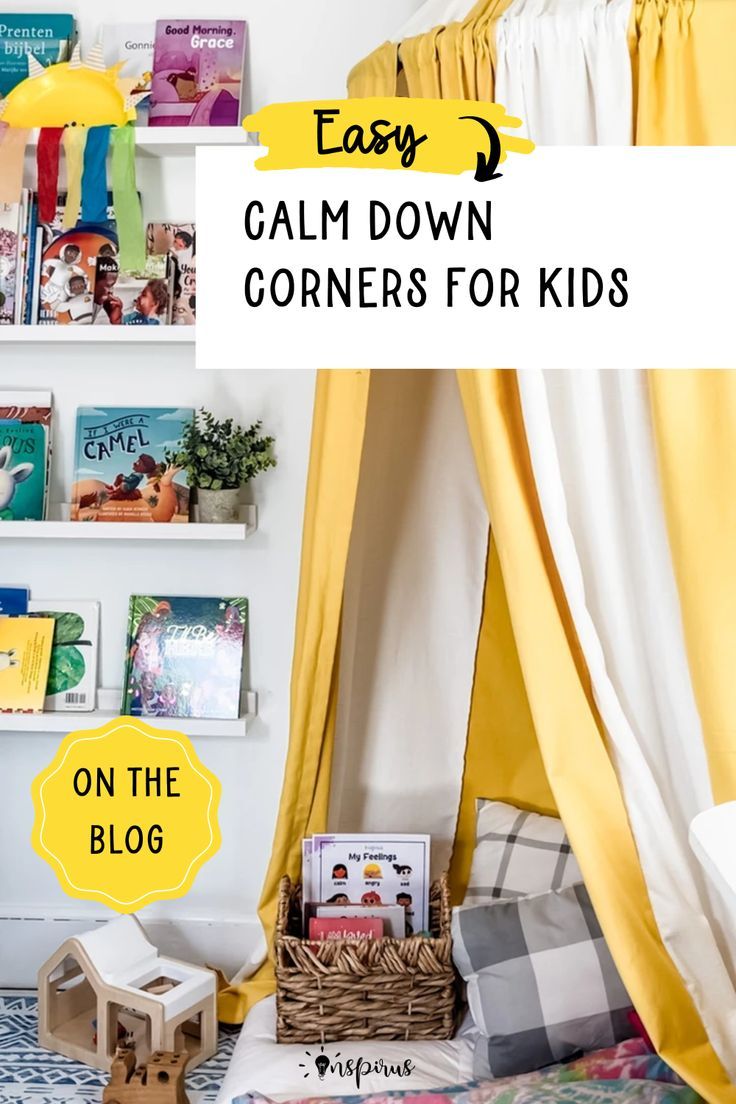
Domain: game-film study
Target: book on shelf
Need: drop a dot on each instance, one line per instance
(179, 241)
(67, 268)
(372, 870)
(72, 679)
(121, 472)
(184, 657)
(123, 298)
(25, 656)
(132, 44)
(321, 930)
(197, 72)
(14, 601)
(25, 438)
(50, 38)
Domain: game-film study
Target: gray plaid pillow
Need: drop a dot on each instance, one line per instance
(542, 985)
(518, 853)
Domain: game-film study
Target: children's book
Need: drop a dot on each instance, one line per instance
(179, 241)
(121, 471)
(10, 255)
(184, 657)
(72, 680)
(373, 870)
(197, 72)
(391, 917)
(25, 655)
(34, 408)
(14, 601)
(132, 43)
(133, 298)
(50, 38)
(329, 929)
(22, 470)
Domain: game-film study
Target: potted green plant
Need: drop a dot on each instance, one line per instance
(219, 459)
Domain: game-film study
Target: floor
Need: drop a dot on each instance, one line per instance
(28, 1073)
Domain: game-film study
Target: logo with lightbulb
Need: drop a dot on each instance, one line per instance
(321, 1061)
(354, 1068)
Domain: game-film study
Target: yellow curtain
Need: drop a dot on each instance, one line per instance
(450, 62)
(341, 402)
(502, 757)
(695, 427)
(579, 770)
(684, 72)
(376, 75)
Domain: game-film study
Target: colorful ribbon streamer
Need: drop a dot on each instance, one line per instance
(47, 165)
(94, 178)
(126, 201)
(75, 139)
(13, 142)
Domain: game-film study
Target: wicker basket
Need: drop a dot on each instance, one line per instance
(361, 988)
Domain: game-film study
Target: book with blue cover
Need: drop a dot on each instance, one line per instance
(14, 601)
(184, 657)
(50, 38)
(22, 470)
(120, 470)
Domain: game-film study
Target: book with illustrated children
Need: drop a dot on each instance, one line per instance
(72, 678)
(179, 242)
(184, 657)
(370, 870)
(30, 408)
(197, 72)
(66, 267)
(25, 656)
(133, 298)
(121, 471)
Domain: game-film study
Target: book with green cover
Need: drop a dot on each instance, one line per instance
(184, 657)
(22, 470)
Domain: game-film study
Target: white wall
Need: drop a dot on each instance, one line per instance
(299, 49)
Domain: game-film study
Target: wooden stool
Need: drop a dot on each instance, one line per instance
(114, 970)
(161, 1081)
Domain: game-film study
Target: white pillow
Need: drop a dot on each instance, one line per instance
(286, 1072)
(517, 854)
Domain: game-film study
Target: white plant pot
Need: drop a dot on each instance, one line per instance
(218, 507)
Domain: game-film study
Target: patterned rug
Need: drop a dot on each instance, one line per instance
(29, 1073)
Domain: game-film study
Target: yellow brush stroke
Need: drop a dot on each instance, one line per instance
(453, 143)
(126, 883)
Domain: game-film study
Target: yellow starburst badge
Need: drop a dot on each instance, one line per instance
(126, 814)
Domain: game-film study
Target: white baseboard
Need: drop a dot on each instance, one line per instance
(28, 936)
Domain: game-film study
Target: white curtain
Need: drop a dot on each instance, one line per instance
(411, 616)
(563, 67)
(591, 445)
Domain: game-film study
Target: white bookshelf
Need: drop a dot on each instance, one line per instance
(108, 709)
(98, 335)
(58, 527)
(180, 141)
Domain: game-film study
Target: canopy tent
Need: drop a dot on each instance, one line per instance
(593, 72)
(553, 659)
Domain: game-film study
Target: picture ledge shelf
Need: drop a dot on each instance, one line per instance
(108, 708)
(180, 141)
(98, 335)
(60, 528)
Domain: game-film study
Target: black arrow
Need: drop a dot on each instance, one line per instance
(486, 169)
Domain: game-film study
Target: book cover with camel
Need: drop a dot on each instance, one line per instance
(121, 472)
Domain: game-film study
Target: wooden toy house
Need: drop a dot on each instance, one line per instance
(111, 983)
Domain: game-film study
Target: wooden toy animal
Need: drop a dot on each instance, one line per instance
(160, 1081)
